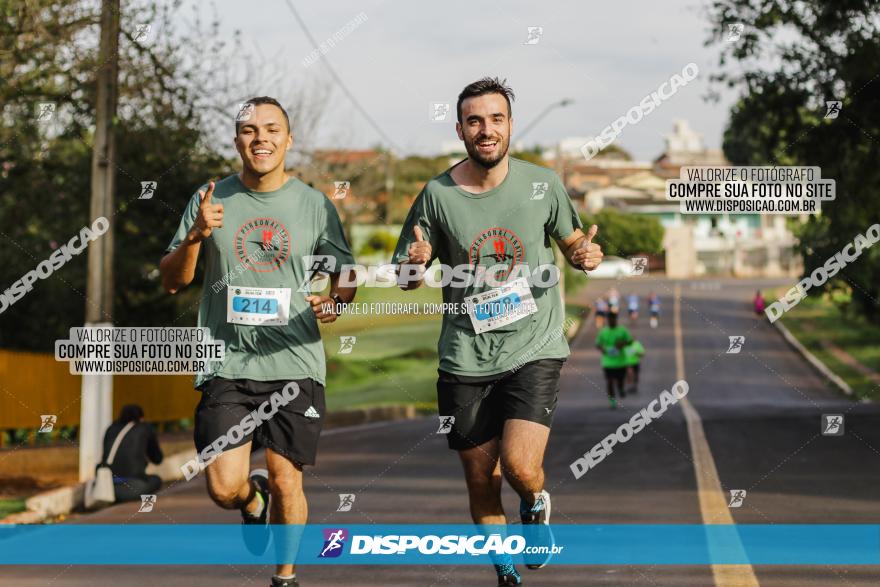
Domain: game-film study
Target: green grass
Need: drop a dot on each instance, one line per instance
(351, 324)
(576, 312)
(818, 318)
(384, 341)
(404, 379)
(394, 360)
(11, 506)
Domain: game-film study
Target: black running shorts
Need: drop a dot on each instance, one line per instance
(481, 405)
(290, 427)
(615, 373)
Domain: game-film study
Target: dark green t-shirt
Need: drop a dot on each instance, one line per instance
(509, 225)
(264, 237)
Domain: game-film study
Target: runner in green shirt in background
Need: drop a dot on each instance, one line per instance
(611, 342)
(634, 353)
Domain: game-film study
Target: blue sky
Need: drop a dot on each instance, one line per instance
(606, 56)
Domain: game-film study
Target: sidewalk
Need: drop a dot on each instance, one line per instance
(68, 498)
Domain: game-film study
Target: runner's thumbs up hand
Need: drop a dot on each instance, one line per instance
(210, 215)
(419, 251)
(588, 255)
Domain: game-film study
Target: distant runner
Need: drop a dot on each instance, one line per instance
(601, 312)
(632, 306)
(759, 304)
(633, 353)
(613, 301)
(654, 307)
(611, 342)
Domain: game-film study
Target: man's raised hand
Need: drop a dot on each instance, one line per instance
(419, 251)
(588, 255)
(210, 215)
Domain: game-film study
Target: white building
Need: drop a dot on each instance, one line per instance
(696, 244)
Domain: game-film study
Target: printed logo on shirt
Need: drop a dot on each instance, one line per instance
(262, 244)
(497, 246)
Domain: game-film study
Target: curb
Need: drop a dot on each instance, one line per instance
(579, 324)
(63, 500)
(818, 365)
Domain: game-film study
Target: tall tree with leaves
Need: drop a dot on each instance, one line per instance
(792, 58)
(624, 235)
(48, 55)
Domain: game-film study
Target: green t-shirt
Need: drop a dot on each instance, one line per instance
(508, 226)
(613, 355)
(264, 237)
(633, 353)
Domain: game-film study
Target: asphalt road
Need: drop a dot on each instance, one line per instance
(760, 411)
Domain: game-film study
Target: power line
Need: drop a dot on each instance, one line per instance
(338, 80)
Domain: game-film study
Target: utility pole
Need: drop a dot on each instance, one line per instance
(97, 390)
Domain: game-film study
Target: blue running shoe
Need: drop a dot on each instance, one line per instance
(536, 530)
(255, 529)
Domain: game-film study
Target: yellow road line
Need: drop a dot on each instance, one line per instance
(713, 504)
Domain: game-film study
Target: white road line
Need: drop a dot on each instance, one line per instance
(713, 504)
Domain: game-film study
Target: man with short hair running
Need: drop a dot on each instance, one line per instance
(256, 227)
(499, 362)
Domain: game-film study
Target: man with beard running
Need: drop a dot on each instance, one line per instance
(500, 360)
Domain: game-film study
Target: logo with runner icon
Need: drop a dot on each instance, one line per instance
(262, 244)
(497, 246)
(346, 501)
(737, 497)
(147, 503)
(832, 424)
(47, 423)
(736, 344)
(334, 542)
(539, 190)
(446, 423)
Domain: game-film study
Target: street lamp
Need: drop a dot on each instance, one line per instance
(561, 104)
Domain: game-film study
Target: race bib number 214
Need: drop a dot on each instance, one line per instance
(258, 306)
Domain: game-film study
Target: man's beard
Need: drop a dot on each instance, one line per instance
(479, 159)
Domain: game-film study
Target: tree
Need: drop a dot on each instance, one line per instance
(379, 242)
(789, 61)
(48, 55)
(625, 235)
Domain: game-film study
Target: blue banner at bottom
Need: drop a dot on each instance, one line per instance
(417, 544)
